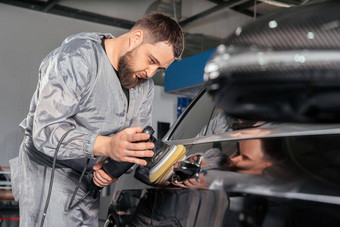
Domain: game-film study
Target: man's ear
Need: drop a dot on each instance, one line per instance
(268, 164)
(136, 38)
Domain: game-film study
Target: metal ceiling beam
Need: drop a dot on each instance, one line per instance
(54, 8)
(50, 4)
(243, 8)
(229, 4)
(92, 17)
(283, 3)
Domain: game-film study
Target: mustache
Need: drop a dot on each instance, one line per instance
(140, 74)
(129, 81)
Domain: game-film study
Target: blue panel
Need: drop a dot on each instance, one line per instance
(186, 72)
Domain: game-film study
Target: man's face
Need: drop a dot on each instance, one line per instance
(249, 158)
(141, 63)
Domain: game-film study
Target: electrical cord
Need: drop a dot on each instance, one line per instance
(52, 177)
(70, 206)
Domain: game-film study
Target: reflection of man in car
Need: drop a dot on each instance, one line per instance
(223, 123)
(253, 156)
(250, 157)
(218, 125)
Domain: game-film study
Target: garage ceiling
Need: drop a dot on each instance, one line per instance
(206, 23)
(186, 12)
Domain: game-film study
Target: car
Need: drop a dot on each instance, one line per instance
(258, 145)
(299, 188)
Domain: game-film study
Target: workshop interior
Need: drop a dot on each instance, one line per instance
(258, 82)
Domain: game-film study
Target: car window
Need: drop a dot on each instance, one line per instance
(202, 118)
(194, 119)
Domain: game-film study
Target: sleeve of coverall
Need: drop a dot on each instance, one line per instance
(65, 78)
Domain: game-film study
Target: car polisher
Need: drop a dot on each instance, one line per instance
(159, 166)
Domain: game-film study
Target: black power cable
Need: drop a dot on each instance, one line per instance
(52, 177)
(70, 206)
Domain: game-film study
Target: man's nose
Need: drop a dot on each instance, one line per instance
(151, 71)
(235, 159)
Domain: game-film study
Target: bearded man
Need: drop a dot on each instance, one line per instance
(93, 97)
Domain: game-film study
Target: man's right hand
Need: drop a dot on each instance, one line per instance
(122, 147)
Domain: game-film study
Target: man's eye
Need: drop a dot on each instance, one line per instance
(151, 61)
(244, 157)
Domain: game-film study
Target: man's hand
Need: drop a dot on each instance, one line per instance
(122, 146)
(100, 177)
(199, 182)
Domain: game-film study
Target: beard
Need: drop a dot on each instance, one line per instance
(126, 74)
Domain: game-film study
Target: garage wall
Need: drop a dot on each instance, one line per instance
(164, 108)
(26, 38)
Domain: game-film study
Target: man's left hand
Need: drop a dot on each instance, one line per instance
(100, 177)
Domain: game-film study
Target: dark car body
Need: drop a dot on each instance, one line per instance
(301, 189)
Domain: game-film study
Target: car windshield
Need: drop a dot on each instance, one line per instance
(204, 119)
(194, 119)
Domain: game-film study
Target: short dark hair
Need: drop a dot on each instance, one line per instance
(161, 27)
(273, 149)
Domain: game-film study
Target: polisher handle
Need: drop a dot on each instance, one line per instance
(116, 169)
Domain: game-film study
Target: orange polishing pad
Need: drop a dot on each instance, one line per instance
(162, 170)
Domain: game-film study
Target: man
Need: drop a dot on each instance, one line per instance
(251, 158)
(93, 98)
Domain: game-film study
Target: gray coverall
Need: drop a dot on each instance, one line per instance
(77, 88)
